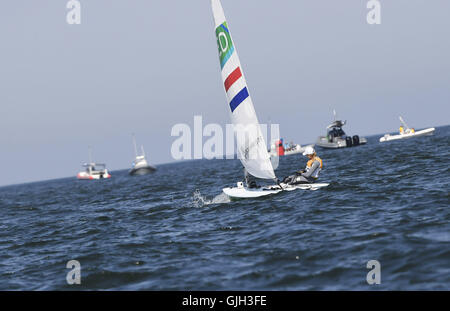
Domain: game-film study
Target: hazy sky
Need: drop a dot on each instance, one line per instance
(142, 66)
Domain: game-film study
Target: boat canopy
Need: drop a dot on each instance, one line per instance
(337, 123)
(94, 165)
(335, 132)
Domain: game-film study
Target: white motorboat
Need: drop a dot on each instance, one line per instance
(336, 137)
(278, 149)
(406, 132)
(93, 170)
(140, 165)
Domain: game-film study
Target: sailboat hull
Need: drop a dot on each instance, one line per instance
(240, 192)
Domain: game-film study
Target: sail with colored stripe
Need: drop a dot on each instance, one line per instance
(251, 146)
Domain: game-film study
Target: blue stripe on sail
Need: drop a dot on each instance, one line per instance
(230, 51)
(224, 28)
(239, 98)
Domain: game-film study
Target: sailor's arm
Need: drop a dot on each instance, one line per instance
(314, 167)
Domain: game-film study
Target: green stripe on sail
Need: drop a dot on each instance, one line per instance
(224, 43)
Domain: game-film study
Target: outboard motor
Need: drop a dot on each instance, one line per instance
(355, 140)
(348, 141)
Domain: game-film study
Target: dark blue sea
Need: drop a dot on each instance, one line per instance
(174, 230)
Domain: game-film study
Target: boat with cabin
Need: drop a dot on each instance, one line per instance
(140, 165)
(337, 138)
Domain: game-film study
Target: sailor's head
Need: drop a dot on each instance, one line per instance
(309, 152)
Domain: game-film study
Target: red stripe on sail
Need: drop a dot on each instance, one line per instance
(233, 77)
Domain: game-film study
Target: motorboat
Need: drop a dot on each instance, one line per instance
(140, 165)
(337, 138)
(277, 148)
(407, 132)
(94, 171)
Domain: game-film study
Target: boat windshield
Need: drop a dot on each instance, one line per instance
(94, 167)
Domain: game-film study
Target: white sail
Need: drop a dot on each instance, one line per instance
(252, 148)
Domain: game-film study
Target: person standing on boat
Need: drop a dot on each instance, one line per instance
(311, 172)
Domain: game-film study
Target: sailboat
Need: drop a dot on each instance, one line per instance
(252, 148)
(93, 170)
(140, 165)
(407, 132)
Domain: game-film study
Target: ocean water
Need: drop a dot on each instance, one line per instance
(174, 230)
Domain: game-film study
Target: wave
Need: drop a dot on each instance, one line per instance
(198, 200)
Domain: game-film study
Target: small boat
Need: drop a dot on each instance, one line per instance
(406, 132)
(140, 165)
(93, 170)
(277, 148)
(336, 137)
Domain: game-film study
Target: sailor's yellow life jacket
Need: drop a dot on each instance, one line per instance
(401, 130)
(315, 174)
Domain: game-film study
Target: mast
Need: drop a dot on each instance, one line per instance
(134, 143)
(404, 123)
(90, 154)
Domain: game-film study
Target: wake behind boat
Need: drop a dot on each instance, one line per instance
(251, 146)
(406, 132)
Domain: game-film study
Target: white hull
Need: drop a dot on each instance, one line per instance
(143, 170)
(86, 176)
(294, 151)
(298, 149)
(389, 137)
(246, 193)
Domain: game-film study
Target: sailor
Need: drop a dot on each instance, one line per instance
(311, 173)
(250, 181)
(330, 136)
(401, 130)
